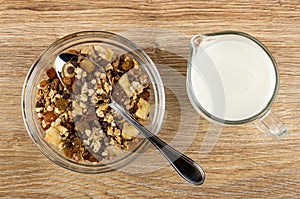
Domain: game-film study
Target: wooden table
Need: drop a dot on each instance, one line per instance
(242, 164)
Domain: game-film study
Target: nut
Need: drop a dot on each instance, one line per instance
(68, 70)
(73, 51)
(128, 63)
(51, 73)
(77, 110)
(50, 116)
(91, 92)
(62, 130)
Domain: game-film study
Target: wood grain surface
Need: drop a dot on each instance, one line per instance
(243, 163)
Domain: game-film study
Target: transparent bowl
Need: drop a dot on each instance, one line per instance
(46, 60)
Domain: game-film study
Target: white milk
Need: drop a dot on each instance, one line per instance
(232, 80)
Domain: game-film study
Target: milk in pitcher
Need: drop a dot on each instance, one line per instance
(232, 79)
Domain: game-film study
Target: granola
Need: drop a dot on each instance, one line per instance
(84, 128)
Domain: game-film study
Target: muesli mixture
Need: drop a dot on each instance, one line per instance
(81, 125)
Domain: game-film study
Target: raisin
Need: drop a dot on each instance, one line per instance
(39, 104)
(65, 95)
(60, 92)
(68, 144)
(69, 126)
(145, 94)
(104, 125)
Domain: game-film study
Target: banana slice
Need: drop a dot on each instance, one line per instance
(125, 84)
(104, 52)
(143, 109)
(129, 132)
(53, 136)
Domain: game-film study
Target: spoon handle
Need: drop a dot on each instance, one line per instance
(185, 166)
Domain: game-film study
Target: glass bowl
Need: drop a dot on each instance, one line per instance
(45, 61)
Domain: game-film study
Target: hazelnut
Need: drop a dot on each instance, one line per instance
(68, 70)
(128, 63)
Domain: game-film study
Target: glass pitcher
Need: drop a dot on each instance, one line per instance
(233, 79)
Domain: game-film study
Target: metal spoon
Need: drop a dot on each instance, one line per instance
(185, 166)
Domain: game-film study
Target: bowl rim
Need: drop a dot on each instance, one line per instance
(30, 121)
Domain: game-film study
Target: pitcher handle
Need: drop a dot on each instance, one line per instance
(270, 123)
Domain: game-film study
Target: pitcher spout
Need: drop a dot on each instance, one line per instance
(200, 40)
(196, 41)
